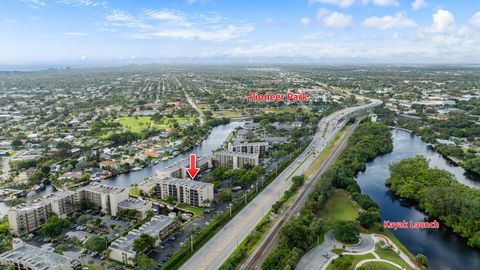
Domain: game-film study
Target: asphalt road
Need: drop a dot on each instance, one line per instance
(318, 257)
(218, 248)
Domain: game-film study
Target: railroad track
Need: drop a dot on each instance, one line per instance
(255, 261)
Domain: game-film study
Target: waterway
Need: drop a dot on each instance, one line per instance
(444, 249)
(214, 140)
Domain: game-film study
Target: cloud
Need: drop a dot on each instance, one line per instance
(75, 34)
(418, 4)
(176, 24)
(348, 3)
(475, 20)
(443, 20)
(445, 33)
(305, 21)
(340, 3)
(385, 3)
(34, 3)
(399, 20)
(228, 33)
(84, 3)
(121, 18)
(271, 21)
(334, 19)
(166, 15)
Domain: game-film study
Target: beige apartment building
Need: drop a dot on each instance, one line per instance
(105, 198)
(259, 148)
(25, 218)
(185, 191)
(235, 160)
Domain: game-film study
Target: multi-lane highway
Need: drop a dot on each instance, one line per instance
(216, 250)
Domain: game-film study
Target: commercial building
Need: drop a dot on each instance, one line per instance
(235, 160)
(25, 256)
(105, 198)
(158, 227)
(140, 206)
(248, 147)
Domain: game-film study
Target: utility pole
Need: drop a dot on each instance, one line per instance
(191, 242)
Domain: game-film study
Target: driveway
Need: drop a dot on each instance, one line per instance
(319, 256)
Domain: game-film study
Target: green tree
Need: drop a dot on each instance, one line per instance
(225, 196)
(16, 143)
(143, 262)
(346, 232)
(97, 243)
(54, 226)
(143, 243)
(421, 259)
(369, 218)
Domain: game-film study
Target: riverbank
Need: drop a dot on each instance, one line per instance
(438, 194)
(442, 246)
(435, 147)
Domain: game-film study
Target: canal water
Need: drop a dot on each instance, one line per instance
(444, 249)
(214, 140)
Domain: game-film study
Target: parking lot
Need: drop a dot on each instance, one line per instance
(82, 227)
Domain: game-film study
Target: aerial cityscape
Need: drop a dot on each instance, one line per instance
(207, 134)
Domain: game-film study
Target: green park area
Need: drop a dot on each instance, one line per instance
(340, 207)
(377, 266)
(138, 123)
(390, 255)
(348, 262)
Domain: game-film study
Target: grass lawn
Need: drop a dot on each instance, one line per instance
(196, 210)
(390, 255)
(137, 124)
(348, 262)
(92, 267)
(377, 266)
(134, 191)
(320, 159)
(227, 114)
(339, 207)
(280, 110)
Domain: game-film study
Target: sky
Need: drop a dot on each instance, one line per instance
(370, 31)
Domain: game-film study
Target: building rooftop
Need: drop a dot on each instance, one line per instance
(96, 187)
(187, 182)
(133, 203)
(37, 257)
(153, 228)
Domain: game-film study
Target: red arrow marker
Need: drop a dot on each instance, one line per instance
(193, 170)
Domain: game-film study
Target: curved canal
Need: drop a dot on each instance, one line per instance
(444, 249)
(214, 140)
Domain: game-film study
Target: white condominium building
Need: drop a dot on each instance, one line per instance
(158, 227)
(25, 256)
(25, 218)
(105, 198)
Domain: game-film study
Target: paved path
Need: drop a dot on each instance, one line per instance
(320, 256)
(397, 250)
